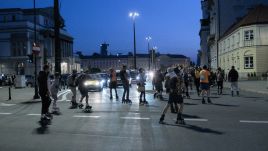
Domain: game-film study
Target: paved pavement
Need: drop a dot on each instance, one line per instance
(252, 86)
(230, 123)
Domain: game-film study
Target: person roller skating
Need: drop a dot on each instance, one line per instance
(43, 85)
(84, 93)
(175, 96)
(71, 82)
(54, 88)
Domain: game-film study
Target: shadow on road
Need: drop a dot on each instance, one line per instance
(225, 105)
(190, 104)
(31, 102)
(197, 128)
(252, 97)
(41, 130)
(190, 116)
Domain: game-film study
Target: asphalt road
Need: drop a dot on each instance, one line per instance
(229, 124)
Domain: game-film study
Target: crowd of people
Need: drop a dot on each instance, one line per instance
(177, 81)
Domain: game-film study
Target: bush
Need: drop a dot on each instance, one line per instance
(251, 75)
(254, 74)
(248, 74)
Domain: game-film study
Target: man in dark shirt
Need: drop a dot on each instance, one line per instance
(44, 93)
(124, 79)
(233, 78)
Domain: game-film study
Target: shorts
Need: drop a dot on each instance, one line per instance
(204, 86)
(112, 85)
(175, 98)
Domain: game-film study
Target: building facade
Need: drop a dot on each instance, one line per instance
(222, 15)
(162, 61)
(17, 39)
(245, 45)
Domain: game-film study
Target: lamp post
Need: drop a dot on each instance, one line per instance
(57, 37)
(36, 96)
(148, 40)
(133, 15)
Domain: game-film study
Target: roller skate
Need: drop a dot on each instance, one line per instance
(162, 118)
(88, 109)
(141, 102)
(124, 101)
(80, 106)
(56, 111)
(45, 121)
(180, 120)
(146, 102)
(74, 105)
(129, 101)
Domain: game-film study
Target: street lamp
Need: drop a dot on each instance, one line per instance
(148, 40)
(36, 96)
(133, 15)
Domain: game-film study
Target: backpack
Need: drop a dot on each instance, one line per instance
(219, 76)
(71, 80)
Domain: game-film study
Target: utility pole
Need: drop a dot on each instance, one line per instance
(57, 25)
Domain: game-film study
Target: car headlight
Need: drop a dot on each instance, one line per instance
(87, 83)
(102, 81)
(137, 78)
(151, 74)
(97, 83)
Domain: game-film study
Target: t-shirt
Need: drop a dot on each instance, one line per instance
(204, 76)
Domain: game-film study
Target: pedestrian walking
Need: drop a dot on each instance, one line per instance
(205, 84)
(71, 82)
(197, 80)
(141, 86)
(186, 82)
(113, 83)
(175, 96)
(44, 93)
(233, 79)
(125, 81)
(220, 78)
(158, 82)
(167, 79)
(54, 89)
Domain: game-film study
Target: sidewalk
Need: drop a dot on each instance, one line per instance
(251, 86)
(17, 95)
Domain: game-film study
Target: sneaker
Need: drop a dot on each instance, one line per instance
(209, 101)
(161, 120)
(80, 106)
(203, 101)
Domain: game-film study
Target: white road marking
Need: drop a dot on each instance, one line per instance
(5, 104)
(199, 120)
(65, 91)
(135, 118)
(64, 96)
(256, 122)
(34, 114)
(86, 116)
(5, 113)
(194, 119)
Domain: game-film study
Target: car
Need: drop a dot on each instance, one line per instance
(94, 82)
(118, 78)
(105, 78)
(133, 75)
(29, 80)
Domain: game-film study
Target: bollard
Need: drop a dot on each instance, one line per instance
(9, 93)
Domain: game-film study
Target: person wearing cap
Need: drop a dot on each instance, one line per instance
(175, 96)
(204, 84)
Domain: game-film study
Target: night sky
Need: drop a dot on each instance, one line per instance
(173, 24)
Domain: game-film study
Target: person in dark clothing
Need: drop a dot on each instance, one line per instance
(175, 96)
(220, 78)
(233, 78)
(197, 79)
(44, 93)
(158, 82)
(113, 83)
(124, 78)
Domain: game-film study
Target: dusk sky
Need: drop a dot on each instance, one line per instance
(172, 24)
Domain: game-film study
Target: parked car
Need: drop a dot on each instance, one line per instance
(118, 79)
(133, 75)
(105, 78)
(94, 82)
(29, 80)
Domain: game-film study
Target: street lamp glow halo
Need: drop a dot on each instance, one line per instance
(134, 14)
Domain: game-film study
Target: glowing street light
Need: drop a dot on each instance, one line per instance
(148, 40)
(133, 15)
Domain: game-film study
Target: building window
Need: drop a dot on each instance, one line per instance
(248, 62)
(13, 18)
(249, 35)
(4, 18)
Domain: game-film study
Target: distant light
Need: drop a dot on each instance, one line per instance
(134, 15)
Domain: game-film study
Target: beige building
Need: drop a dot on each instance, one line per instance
(245, 44)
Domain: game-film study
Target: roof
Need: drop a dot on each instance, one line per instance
(258, 15)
